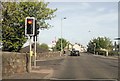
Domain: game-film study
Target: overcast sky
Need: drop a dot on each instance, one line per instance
(85, 20)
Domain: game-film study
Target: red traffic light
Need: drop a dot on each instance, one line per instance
(29, 21)
(30, 26)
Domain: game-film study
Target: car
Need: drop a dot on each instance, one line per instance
(74, 53)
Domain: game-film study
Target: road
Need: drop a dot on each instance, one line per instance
(83, 67)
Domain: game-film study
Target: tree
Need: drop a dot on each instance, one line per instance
(58, 44)
(44, 46)
(98, 43)
(90, 47)
(14, 14)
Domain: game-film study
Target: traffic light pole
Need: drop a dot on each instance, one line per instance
(35, 52)
(30, 55)
(30, 24)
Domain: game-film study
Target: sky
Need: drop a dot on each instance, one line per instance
(84, 21)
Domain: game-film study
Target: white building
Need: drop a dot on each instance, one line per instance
(75, 46)
(79, 47)
(50, 47)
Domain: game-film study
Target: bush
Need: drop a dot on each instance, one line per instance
(100, 52)
(113, 53)
(110, 53)
(44, 46)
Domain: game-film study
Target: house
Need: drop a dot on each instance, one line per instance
(68, 47)
(79, 47)
(50, 47)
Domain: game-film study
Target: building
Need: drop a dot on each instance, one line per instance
(79, 47)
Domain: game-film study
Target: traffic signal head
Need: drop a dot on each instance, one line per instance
(29, 25)
(36, 28)
(29, 21)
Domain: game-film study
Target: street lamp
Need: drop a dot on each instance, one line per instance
(61, 35)
(94, 47)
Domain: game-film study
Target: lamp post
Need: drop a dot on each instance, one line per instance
(94, 47)
(61, 36)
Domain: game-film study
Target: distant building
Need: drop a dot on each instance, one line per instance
(68, 47)
(77, 46)
(50, 47)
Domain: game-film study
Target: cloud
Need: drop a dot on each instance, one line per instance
(67, 7)
(85, 6)
(103, 24)
(100, 19)
(101, 9)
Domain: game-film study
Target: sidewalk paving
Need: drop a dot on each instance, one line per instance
(110, 57)
(36, 73)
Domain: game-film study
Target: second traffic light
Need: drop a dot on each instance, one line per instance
(36, 28)
(30, 26)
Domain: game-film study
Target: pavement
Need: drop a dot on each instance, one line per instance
(109, 57)
(36, 73)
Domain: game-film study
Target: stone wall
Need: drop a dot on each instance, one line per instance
(18, 62)
(47, 55)
(13, 63)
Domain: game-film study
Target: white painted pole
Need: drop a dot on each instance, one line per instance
(30, 56)
(35, 52)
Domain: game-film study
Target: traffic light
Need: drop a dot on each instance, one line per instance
(118, 46)
(36, 28)
(30, 26)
